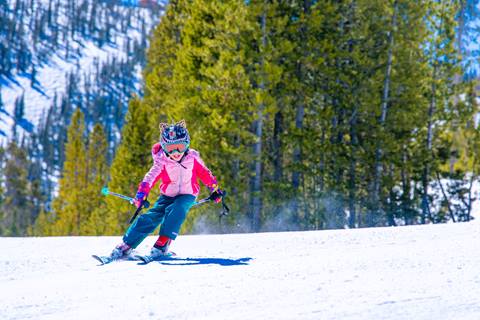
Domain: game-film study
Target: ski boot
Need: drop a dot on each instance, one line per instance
(160, 248)
(121, 251)
(159, 251)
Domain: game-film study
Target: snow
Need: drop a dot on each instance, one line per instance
(415, 272)
(51, 74)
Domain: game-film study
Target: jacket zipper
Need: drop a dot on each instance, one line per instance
(181, 180)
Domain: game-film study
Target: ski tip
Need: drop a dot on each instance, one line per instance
(99, 259)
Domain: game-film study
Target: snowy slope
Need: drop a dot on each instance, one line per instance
(421, 272)
(52, 74)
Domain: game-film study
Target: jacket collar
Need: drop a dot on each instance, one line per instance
(165, 155)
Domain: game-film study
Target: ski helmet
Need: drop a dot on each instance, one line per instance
(174, 137)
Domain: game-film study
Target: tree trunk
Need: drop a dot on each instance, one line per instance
(373, 214)
(277, 147)
(405, 200)
(297, 154)
(392, 199)
(300, 114)
(236, 168)
(352, 175)
(426, 170)
(445, 197)
(256, 184)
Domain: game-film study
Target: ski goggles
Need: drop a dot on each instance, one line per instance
(176, 148)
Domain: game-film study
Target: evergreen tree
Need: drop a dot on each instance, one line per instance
(132, 161)
(19, 112)
(69, 207)
(460, 166)
(342, 101)
(312, 114)
(444, 64)
(42, 225)
(15, 210)
(94, 222)
(38, 190)
(406, 110)
(196, 72)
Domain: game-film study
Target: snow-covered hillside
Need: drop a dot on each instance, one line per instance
(79, 51)
(420, 272)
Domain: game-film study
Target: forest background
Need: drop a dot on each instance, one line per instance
(312, 115)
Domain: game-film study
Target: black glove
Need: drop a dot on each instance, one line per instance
(216, 195)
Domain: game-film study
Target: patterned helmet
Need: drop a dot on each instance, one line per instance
(174, 137)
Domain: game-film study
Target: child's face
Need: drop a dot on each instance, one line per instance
(177, 156)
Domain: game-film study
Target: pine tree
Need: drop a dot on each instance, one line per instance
(38, 190)
(93, 222)
(407, 107)
(443, 61)
(69, 206)
(385, 97)
(19, 112)
(15, 208)
(132, 160)
(459, 151)
(259, 77)
(162, 56)
(42, 225)
(196, 72)
(317, 114)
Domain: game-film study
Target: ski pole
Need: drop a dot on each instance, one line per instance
(138, 211)
(225, 211)
(106, 192)
(202, 201)
(225, 208)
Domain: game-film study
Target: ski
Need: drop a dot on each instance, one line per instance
(148, 258)
(108, 259)
(103, 259)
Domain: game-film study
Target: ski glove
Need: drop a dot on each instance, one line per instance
(142, 193)
(216, 194)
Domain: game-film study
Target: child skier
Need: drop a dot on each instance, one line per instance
(178, 167)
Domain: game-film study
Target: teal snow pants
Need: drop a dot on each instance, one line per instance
(168, 211)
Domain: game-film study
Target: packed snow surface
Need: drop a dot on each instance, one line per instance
(420, 272)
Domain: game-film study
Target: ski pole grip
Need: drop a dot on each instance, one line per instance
(146, 204)
(105, 191)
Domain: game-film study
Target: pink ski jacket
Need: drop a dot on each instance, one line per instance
(178, 177)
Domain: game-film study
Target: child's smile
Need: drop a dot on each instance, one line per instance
(177, 156)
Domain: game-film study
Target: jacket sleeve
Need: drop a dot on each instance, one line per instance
(154, 174)
(204, 174)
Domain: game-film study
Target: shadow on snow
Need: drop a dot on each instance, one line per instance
(176, 261)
